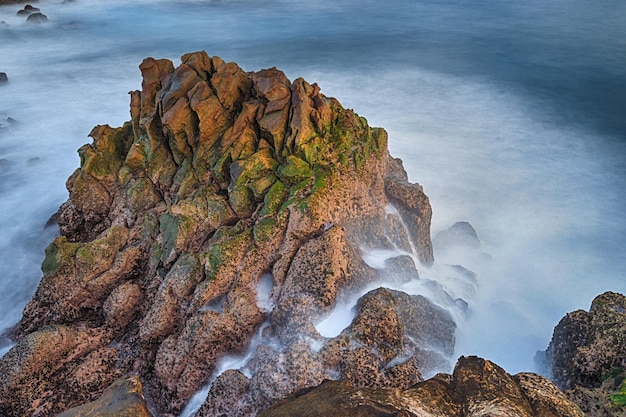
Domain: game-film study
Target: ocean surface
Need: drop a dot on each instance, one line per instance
(511, 114)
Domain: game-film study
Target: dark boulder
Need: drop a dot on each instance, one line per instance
(37, 18)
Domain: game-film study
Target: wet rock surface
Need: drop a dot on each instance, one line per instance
(124, 398)
(229, 217)
(587, 356)
(220, 177)
(477, 387)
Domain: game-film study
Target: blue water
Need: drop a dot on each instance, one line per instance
(511, 114)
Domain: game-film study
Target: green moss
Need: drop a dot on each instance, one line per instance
(124, 176)
(142, 195)
(136, 159)
(218, 210)
(264, 230)
(89, 255)
(259, 165)
(241, 201)
(619, 398)
(58, 254)
(294, 170)
(261, 186)
(105, 156)
(221, 170)
(227, 251)
(274, 199)
(161, 168)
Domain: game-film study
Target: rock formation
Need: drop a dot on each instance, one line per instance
(587, 356)
(477, 387)
(220, 178)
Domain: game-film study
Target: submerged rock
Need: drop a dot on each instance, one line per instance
(220, 177)
(4, 79)
(587, 356)
(37, 18)
(459, 234)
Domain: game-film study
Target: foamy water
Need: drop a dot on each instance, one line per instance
(510, 114)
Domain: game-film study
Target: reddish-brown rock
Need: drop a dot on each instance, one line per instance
(219, 178)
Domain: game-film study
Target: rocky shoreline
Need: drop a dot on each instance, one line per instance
(236, 207)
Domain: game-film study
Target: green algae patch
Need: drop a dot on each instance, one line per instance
(294, 170)
(241, 201)
(105, 156)
(619, 398)
(96, 256)
(226, 253)
(59, 254)
(264, 230)
(261, 186)
(274, 199)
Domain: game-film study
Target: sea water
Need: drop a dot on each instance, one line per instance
(512, 115)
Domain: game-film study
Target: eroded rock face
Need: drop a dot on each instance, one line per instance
(587, 356)
(477, 387)
(219, 178)
(124, 398)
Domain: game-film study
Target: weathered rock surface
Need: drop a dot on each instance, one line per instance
(124, 398)
(220, 178)
(477, 387)
(587, 356)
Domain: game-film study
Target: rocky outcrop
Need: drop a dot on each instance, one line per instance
(124, 398)
(220, 178)
(587, 356)
(477, 387)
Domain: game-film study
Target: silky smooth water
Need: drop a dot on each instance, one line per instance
(512, 115)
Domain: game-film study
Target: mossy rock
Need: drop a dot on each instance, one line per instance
(274, 199)
(241, 201)
(258, 165)
(175, 229)
(294, 170)
(264, 230)
(160, 167)
(59, 254)
(261, 186)
(226, 252)
(141, 195)
(104, 157)
(185, 179)
(96, 256)
(619, 398)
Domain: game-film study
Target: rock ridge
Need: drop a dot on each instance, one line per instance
(220, 178)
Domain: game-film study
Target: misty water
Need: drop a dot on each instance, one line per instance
(511, 114)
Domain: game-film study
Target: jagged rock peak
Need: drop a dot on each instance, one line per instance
(220, 178)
